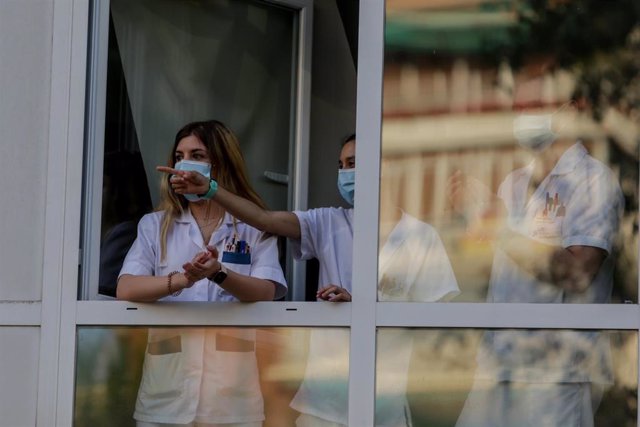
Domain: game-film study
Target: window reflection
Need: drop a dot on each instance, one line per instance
(469, 90)
(454, 379)
(413, 263)
(322, 398)
(133, 375)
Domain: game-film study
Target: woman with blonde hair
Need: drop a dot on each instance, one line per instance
(192, 250)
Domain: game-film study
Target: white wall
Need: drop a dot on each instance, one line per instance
(18, 375)
(26, 32)
(25, 73)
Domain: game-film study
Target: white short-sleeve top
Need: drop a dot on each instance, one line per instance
(258, 258)
(413, 266)
(196, 374)
(327, 234)
(578, 203)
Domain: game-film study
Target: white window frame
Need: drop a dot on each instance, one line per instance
(59, 314)
(95, 128)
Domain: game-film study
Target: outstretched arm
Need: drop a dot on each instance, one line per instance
(281, 223)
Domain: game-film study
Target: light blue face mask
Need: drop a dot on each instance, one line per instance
(534, 131)
(347, 184)
(191, 165)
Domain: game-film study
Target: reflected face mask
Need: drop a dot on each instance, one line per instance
(347, 184)
(533, 131)
(191, 165)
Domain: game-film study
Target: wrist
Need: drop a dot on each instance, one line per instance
(219, 274)
(209, 191)
(181, 281)
(173, 283)
(202, 189)
(214, 269)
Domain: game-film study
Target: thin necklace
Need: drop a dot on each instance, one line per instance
(208, 220)
(207, 214)
(206, 224)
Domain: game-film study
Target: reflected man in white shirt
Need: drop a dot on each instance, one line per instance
(557, 219)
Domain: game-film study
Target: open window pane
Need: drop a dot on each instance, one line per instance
(510, 151)
(174, 62)
(508, 378)
(246, 63)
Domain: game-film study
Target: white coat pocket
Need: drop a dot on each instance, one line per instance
(238, 263)
(234, 387)
(163, 375)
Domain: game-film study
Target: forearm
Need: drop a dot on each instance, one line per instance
(280, 223)
(243, 209)
(148, 288)
(531, 256)
(247, 288)
(571, 268)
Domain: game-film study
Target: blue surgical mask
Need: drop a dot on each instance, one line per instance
(533, 131)
(191, 165)
(347, 184)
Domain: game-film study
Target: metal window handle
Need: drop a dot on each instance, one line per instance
(278, 178)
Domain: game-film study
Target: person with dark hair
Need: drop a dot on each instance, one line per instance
(312, 232)
(192, 249)
(422, 274)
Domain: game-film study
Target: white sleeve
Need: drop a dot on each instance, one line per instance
(306, 247)
(141, 258)
(593, 212)
(265, 263)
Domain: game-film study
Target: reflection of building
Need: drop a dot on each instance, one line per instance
(450, 97)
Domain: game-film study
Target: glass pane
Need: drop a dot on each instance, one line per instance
(210, 375)
(506, 378)
(510, 149)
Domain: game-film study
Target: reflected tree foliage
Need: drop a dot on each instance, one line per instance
(109, 368)
(455, 69)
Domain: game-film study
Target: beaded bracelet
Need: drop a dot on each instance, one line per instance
(176, 293)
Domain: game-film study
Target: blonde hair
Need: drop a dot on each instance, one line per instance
(227, 168)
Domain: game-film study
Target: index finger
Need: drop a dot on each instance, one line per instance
(167, 169)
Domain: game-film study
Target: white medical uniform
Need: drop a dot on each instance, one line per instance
(413, 266)
(198, 374)
(578, 203)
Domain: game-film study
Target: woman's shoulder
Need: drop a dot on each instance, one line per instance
(151, 220)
